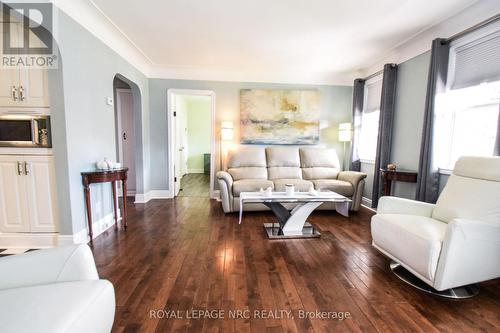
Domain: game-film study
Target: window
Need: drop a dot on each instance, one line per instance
(368, 124)
(466, 114)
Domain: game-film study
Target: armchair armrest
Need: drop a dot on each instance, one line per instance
(470, 253)
(62, 264)
(225, 181)
(394, 205)
(353, 177)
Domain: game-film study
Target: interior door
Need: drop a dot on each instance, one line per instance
(183, 142)
(13, 204)
(125, 108)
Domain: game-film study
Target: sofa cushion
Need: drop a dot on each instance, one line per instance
(283, 157)
(284, 172)
(320, 173)
(82, 306)
(250, 185)
(246, 157)
(248, 173)
(338, 186)
(319, 157)
(414, 241)
(301, 185)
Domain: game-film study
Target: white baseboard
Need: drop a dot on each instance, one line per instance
(98, 227)
(196, 170)
(216, 195)
(29, 240)
(153, 194)
(367, 203)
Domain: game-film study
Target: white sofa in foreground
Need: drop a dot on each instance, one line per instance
(451, 244)
(252, 168)
(54, 290)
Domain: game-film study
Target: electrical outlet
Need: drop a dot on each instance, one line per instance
(109, 101)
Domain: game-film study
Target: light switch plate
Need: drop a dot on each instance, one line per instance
(109, 101)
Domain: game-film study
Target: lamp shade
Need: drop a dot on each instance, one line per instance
(226, 131)
(345, 132)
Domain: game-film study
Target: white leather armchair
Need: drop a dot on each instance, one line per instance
(451, 244)
(54, 290)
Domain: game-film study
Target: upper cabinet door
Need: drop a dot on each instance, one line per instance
(34, 82)
(25, 86)
(10, 78)
(41, 193)
(13, 205)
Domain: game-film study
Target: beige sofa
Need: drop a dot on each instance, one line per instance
(252, 168)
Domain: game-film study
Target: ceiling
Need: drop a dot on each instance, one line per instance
(329, 37)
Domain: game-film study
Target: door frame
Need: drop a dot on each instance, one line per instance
(171, 135)
(118, 134)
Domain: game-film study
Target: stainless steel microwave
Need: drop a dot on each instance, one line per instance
(25, 131)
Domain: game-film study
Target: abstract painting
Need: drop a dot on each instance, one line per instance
(279, 117)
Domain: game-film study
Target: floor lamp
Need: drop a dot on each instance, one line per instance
(226, 134)
(345, 135)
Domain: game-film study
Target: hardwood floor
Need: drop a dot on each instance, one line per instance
(195, 185)
(185, 254)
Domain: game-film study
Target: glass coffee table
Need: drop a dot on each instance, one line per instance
(293, 223)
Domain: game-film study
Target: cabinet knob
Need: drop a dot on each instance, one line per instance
(14, 93)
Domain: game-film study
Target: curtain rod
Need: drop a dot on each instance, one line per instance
(373, 75)
(474, 27)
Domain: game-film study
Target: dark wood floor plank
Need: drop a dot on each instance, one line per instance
(185, 254)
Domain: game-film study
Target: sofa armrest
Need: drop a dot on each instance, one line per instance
(61, 264)
(470, 253)
(353, 177)
(225, 181)
(394, 205)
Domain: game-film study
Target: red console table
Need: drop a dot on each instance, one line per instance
(105, 176)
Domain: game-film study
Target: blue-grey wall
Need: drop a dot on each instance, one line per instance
(336, 108)
(84, 126)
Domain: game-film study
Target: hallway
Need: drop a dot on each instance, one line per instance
(195, 185)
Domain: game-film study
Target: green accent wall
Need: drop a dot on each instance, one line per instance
(198, 132)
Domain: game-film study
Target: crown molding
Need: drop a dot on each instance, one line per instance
(91, 17)
(237, 75)
(421, 41)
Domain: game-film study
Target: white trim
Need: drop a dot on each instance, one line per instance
(216, 195)
(25, 151)
(151, 195)
(367, 161)
(367, 203)
(421, 41)
(171, 134)
(29, 240)
(92, 18)
(98, 227)
(196, 170)
(443, 171)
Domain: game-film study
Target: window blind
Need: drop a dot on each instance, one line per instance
(373, 95)
(476, 62)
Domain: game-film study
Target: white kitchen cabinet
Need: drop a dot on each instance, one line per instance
(13, 203)
(25, 86)
(28, 200)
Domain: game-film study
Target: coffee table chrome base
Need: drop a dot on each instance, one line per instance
(273, 232)
(455, 293)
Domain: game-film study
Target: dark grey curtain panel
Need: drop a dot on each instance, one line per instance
(428, 172)
(357, 109)
(385, 124)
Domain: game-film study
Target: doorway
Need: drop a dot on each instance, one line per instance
(191, 120)
(125, 132)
